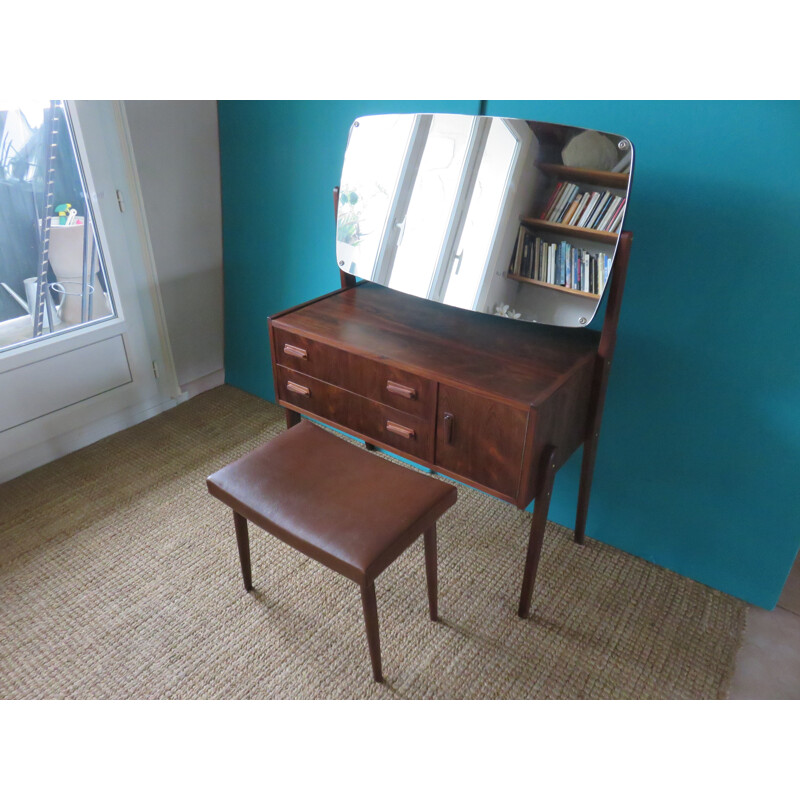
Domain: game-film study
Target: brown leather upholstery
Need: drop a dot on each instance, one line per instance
(349, 510)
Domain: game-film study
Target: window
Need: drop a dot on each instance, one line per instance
(52, 272)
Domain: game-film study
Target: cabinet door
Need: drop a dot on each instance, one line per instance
(480, 439)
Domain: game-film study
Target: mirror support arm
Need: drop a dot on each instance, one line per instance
(346, 278)
(605, 351)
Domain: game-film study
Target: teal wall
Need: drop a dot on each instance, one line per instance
(700, 448)
(280, 162)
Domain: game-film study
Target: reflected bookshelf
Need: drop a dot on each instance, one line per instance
(559, 265)
(594, 177)
(567, 244)
(571, 230)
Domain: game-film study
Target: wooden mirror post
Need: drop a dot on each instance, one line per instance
(346, 278)
(605, 351)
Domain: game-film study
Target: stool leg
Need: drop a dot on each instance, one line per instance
(243, 543)
(430, 572)
(370, 605)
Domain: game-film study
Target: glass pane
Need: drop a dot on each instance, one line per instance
(52, 273)
(434, 194)
(373, 163)
(491, 189)
(502, 201)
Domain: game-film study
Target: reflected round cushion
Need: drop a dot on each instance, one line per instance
(590, 150)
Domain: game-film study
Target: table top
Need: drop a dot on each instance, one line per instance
(518, 361)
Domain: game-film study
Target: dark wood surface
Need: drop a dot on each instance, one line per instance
(346, 279)
(498, 404)
(605, 353)
(431, 573)
(495, 403)
(357, 374)
(243, 545)
(480, 438)
(538, 523)
(370, 605)
(472, 396)
(520, 363)
(357, 413)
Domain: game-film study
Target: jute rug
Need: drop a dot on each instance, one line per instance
(119, 578)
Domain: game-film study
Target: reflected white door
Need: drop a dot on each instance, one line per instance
(66, 389)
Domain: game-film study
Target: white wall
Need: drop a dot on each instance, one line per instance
(176, 149)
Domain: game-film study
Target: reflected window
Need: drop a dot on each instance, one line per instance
(470, 263)
(52, 273)
(373, 167)
(480, 201)
(431, 202)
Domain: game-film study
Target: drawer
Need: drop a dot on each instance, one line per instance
(380, 382)
(404, 432)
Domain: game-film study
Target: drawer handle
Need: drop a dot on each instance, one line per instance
(403, 391)
(400, 430)
(448, 427)
(298, 389)
(291, 350)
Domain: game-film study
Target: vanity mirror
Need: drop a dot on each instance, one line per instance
(503, 216)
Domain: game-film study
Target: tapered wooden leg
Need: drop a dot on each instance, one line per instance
(292, 417)
(585, 488)
(540, 509)
(431, 572)
(370, 605)
(243, 543)
(590, 444)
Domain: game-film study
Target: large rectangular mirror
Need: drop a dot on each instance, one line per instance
(496, 215)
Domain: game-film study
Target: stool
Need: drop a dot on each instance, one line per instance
(345, 508)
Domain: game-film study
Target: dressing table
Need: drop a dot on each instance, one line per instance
(497, 403)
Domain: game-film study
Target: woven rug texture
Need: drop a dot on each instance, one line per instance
(119, 578)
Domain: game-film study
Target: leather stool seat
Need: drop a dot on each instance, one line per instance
(342, 506)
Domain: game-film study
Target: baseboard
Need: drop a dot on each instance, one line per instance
(200, 385)
(24, 461)
(21, 462)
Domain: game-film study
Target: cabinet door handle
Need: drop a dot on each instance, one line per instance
(449, 422)
(400, 430)
(403, 391)
(298, 389)
(291, 350)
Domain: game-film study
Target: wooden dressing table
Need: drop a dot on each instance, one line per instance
(495, 404)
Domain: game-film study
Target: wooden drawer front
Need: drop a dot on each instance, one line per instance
(402, 431)
(380, 382)
(480, 439)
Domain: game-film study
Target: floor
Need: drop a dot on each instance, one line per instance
(120, 592)
(768, 663)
